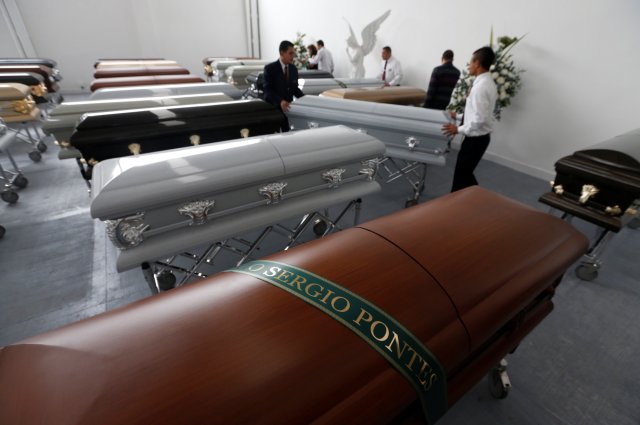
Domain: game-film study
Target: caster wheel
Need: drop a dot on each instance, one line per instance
(2, 231)
(35, 156)
(587, 272)
(42, 146)
(410, 203)
(166, 280)
(10, 197)
(20, 181)
(496, 387)
(634, 224)
(319, 227)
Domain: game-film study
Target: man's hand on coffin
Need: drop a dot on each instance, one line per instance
(284, 105)
(449, 129)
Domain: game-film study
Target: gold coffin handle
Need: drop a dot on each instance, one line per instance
(194, 139)
(244, 133)
(135, 148)
(588, 191)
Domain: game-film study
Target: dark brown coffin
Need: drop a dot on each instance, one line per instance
(139, 71)
(144, 81)
(44, 71)
(104, 135)
(613, 167)
(470, 274)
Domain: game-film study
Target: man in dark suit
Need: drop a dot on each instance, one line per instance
(443, 80)
(281, 81)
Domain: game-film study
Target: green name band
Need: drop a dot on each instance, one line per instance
(382, 332)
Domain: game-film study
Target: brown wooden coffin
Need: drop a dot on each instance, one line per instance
(397, 95)
(138, 71)
(600, 184)
(469, 274)
(45, 71)
(17, 104)
(144, 81)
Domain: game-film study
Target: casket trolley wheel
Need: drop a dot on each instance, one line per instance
(9, 196)
(42, 146)
(20, 181)
(35, 156)
(587, 271)
(498, 380)
(319, 227)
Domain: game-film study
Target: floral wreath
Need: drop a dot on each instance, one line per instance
(504, 74)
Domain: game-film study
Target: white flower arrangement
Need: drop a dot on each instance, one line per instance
(301, 55)
(503, 72)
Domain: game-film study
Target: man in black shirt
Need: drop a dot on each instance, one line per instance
(443, 80)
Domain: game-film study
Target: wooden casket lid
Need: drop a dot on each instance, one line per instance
(394, 94)
(621, 153)
(496, 278)
(234, 349)
(136, 183)
(28, 78)
(144, 80)
(134, 71)
(14, 91)
(45, 71)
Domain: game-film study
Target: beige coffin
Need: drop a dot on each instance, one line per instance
(16, 103)
(396, 95)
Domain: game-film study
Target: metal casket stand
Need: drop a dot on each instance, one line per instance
(601, 185)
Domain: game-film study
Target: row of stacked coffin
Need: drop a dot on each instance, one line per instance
(432, 297)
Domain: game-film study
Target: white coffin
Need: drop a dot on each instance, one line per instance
(62, 120)
(237, 75)
(230, 187)
(219, 67)
(315, 86)
(165, 90)
(409, 133)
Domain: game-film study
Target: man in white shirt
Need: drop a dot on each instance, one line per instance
(477, 119)
(391, 71)
(323, 59)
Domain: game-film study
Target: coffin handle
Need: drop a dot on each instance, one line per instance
(588, 191)
(135, 148)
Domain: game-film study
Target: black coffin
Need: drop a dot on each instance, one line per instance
(31, 79)
(600, 184)
(114, 134)
(256, 80)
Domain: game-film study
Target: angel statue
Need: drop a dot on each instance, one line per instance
(362, 50)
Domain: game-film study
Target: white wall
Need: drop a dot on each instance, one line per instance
(581, 60)
(77, 32)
